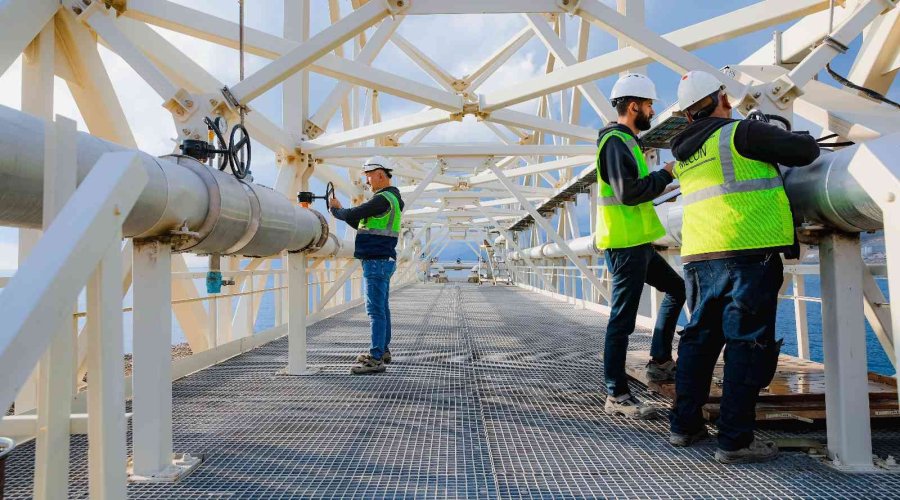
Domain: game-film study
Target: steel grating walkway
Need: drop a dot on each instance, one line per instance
(495, 392)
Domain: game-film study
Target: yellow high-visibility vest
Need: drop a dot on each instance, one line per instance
(386, 224)
(730, 201)
(620, 225)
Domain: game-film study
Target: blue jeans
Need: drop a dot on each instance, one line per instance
(631, 268)
(733, 303)
(377, 274)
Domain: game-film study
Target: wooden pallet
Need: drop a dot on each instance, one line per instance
(796, 393)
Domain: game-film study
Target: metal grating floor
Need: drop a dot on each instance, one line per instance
(494, 392)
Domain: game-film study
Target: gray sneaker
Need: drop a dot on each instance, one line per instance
(661, 372)
(387, 357)
(366, 364)
(627, 406)
(757, 451)
(683, 440)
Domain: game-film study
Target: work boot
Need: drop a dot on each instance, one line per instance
(628, 406)
(366, 364)
(757, 451)
(660, 372)
(684, 440)
(386, 358)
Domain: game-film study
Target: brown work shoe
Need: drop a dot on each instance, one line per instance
(628, 406)
(683, 440)
(366, 364)
(661, 372)
(757, 451)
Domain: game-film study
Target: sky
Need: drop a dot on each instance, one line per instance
(458, 42)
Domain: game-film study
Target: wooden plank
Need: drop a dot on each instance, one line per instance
(796, 393)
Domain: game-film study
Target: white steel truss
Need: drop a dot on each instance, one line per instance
(542, 141)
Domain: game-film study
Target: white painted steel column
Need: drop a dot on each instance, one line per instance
(106, 399)
(800, 317)
(844, 345)
(298, 303)
(37, 99)
(56, 368)
(152, 379)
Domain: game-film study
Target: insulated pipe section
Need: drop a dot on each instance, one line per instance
(583, 247)
(199, 209)
(335, 248)
(826, 193)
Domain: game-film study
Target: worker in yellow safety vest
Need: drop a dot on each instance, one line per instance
(377, 224)
(627, 225)
(737, 220)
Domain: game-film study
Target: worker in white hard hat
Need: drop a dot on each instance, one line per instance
(736, 221)
(377, 224)
(627, 225)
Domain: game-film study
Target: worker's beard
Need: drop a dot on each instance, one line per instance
(642, 121)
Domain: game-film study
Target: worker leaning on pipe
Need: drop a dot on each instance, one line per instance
(737, 220)
(377, 224)
(627, 224)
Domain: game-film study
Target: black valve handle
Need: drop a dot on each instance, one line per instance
(239, 151)
(309, 196)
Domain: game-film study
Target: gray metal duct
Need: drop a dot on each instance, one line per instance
(201, 209)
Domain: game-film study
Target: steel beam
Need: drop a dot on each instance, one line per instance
(400, 124)
(56, 368)
(152, 422)
(725, 27)
(498, 150)
(106, 397)
(300, 57)
(555, 45)
(844, 346)
(20, 22)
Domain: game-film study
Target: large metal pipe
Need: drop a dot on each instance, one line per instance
(583, 247)
(826, 193)
(335, 248)
(198, 208)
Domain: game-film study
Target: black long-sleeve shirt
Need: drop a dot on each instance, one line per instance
(370, 246)
(619, 169)
(754, 139)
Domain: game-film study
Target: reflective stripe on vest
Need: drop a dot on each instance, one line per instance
(731, 202)
(386, 224)
(620, 225)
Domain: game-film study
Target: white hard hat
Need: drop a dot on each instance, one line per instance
(633, 85)
(694, 86)
(376, 162)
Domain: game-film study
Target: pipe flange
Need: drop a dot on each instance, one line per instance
(7, 445)
(323, 239)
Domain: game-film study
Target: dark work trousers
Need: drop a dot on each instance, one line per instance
(631, 268)
(733, 303)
